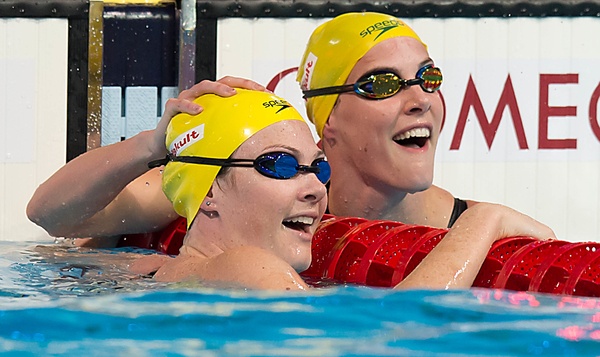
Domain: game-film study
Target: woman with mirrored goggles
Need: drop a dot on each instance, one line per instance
(382, 152)
(385, 84)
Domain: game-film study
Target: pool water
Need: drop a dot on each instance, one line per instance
(61, 300)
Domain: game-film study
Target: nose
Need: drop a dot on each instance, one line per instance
(312, 189)
(417, 101)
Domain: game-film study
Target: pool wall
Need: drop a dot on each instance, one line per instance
(521, 89)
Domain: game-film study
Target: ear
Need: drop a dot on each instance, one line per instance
(210, 204)
(329, 134)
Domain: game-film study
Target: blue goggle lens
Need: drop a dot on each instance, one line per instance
(282, 165)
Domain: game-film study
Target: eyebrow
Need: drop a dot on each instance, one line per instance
(426, 62)
(423, 63)
(292, 149)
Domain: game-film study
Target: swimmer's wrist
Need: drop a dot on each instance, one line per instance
(150, 149)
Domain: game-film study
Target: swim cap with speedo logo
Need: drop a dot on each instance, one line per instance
(223, 125)
(334, 48)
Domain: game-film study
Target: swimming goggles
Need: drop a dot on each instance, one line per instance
(277, 165)
(386, 84)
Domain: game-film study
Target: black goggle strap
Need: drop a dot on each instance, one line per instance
(160, 162)
(328, 90)
(202, 161)
(228, 162)
(305, 168)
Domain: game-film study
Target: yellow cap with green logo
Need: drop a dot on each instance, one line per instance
(334, 48)
(223, 125)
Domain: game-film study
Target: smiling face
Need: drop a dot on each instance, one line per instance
(277, 215)
(389, 143)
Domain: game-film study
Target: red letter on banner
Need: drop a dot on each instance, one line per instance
(275, 80)
(507, 99)
(547, 111)
(594, 112)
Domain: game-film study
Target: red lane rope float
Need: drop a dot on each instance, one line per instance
(554, 271)
(500, 252)
(379, 262)
(585, 277)
(518, 270)
(382, 253)
(325, 238)
(415, 254)
(349, 250)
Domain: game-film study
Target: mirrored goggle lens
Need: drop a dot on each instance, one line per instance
(285, 166)
(431, 78)
(380, 85)
(384, 85)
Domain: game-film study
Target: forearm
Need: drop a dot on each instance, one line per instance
(453, 263)
(88, 183)
(456, 260)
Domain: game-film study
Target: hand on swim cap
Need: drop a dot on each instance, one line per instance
(238, 82)
(184, 103)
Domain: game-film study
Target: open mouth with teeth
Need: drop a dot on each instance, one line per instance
(414, 138)
(301, 224)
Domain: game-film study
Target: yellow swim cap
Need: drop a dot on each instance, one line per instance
(217, 132)
(334, 48)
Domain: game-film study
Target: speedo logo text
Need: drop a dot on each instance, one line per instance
(380, 28)
(279, 104)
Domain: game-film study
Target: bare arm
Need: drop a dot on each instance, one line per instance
(456, 260)
(109, 190)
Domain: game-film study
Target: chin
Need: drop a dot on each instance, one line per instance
(417, 184)
(423, 186)
(300, 268)
(301, 265)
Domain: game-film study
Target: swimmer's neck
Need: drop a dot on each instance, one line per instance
(194, 247)
(428, 207)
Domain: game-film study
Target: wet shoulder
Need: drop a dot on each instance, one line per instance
(255, 268)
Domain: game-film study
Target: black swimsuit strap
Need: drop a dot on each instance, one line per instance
(459, 207)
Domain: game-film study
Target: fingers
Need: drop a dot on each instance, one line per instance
(528, 226)
(498, 221)
(514, 223)
(178, 105)
(241, 83)
(224, 87)
(206, 87)
(184, 103)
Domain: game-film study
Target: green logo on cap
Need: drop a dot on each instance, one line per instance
(380, 28)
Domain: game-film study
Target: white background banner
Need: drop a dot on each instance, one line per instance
(33, 116)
